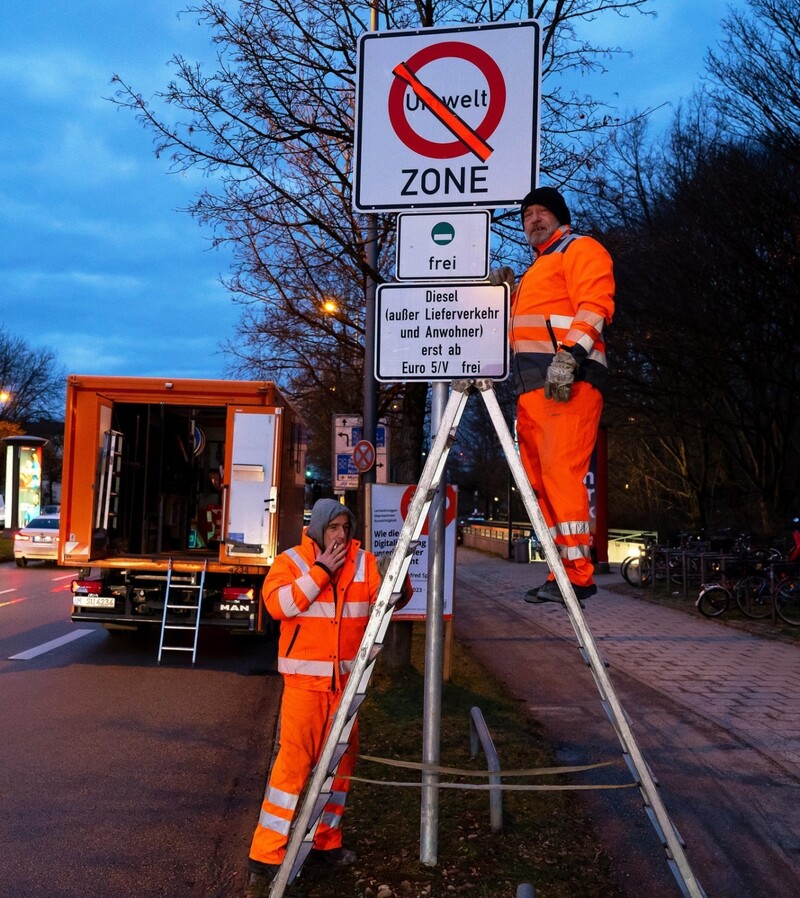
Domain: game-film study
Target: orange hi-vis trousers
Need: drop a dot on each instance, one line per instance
(556, 440)
(305, 718)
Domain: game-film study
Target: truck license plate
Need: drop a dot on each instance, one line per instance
(93, 601)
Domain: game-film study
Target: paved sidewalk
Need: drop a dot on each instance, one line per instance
(746, 684)
(712, 707)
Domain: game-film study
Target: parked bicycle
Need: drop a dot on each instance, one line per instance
(752, 594)
(744, 546)
(787, 600)
(787, 582)
(757, 594)
(637, 569)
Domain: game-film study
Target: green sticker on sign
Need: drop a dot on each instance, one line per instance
(443, 233)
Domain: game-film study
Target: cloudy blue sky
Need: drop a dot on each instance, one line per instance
(96, 260)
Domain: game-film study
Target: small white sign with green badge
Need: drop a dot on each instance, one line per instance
(443, 245)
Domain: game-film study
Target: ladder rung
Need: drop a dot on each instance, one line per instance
(176, 648)
(178, 627)
(182, 607)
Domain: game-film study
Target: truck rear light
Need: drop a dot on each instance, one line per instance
(237, 594)
(87, 587)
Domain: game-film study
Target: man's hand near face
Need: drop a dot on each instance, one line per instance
(336, 539)
(334, 555)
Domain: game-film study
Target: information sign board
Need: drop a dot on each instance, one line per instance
(444, 245)
(390, 503)
(347, 434)
(441, 332)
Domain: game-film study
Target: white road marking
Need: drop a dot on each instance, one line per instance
(49, 646)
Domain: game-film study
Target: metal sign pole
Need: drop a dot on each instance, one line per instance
(434, 651)
(370, 411)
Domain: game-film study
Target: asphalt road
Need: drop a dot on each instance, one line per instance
(119, 776)
(714, 711)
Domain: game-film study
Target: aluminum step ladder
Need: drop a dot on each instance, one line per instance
(188, 601)
(107, 508)
(320, 785)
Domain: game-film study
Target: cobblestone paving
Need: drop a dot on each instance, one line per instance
(746, 683)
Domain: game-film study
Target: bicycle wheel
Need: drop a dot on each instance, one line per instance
(636, 570)
(763, 555)
(754, 597)
(713, 600)
(787, 602)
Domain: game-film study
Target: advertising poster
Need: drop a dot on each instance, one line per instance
(390, 503)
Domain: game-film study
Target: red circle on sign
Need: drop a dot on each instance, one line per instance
(363, 455)
(449, 507)
(497, 99)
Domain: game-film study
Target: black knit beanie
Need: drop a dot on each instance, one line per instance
(551, 199)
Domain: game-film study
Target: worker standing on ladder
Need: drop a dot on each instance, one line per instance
(558, 312)
(322, 592)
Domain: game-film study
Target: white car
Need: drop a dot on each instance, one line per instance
(37, 540)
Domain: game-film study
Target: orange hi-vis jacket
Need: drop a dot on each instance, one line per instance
(323, 618)
(563, 300)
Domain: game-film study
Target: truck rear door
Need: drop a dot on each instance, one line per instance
(86, 508)
(252, 461)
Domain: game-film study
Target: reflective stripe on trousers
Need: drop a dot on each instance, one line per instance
(305, 718)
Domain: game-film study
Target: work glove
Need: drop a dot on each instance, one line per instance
(560, 376)
(500, 276)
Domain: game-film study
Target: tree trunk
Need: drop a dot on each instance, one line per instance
(397, 647)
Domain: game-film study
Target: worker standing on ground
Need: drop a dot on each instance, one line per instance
(558, 312)
(322, 592)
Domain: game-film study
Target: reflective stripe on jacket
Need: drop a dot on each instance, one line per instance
(564, 299)
(322, 618)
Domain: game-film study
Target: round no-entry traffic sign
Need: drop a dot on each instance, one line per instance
(449, 506)
(469, 139)
(447, 117)
(363, 455)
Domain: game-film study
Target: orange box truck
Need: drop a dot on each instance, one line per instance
(181, 481)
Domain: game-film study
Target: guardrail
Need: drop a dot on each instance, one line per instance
(493, 537)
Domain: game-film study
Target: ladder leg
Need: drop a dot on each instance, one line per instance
(321, 780)
(200, 593)
(652, 798)
(164, 614)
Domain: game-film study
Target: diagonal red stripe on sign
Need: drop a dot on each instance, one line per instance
(450, 119)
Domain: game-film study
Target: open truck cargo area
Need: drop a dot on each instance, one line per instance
(194, 483)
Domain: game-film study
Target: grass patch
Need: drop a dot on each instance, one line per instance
(546, 840)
